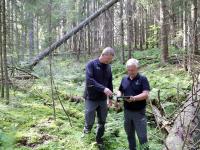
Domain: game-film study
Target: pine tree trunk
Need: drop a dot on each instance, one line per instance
(17, 37)
(88, 31)
(31, 36)
(1, 51)
(136, 33)
(12, 33)
(108, 34)
(122, 31)
(185, 37)
(147, 28)
(195, 29)
(37, 34)
(95, 29)
(5, 52)
(173, 23)
(164, 32)
(129, 8)
(50, 57)
(23, 36)
(141, 27)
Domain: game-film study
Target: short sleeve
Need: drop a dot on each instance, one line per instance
(145, 84)
(121, 88)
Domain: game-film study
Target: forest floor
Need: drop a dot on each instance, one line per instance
(28, 122)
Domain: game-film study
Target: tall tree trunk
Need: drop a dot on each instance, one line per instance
(108, 27)
(190, 47)
(37, 34)
(147, 27)
(173, 23)
(17, 37)
(136, 32)
(135, 23)
(95, 29)
(64, 20)
(122, 31)
(195, 30)
(129, 13)
(12, 32)
(1, 52)
(185, 37)
(23, 35)
(141, 27)
(5, 53)
(80, 36)
(88, 30)
(50, 58)
(31, 36)
(164, 32)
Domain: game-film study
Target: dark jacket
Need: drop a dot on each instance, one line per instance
(98, 77)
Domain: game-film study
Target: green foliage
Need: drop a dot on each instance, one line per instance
(6, 140)
(152, 39)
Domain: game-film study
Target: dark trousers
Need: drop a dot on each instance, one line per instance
(91, 108)
(135, 121)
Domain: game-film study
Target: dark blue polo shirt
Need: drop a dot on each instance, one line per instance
(98, 77)
(134, 87)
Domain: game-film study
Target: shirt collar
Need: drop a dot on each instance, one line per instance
(101, 64)
(136, 77)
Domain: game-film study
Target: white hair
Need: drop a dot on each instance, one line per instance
(108, 51)
(132, 62)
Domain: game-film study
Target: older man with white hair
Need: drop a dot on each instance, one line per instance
(98, 88)
(135, 86)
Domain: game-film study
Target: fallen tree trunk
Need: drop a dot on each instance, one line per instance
(56, 44)
(159, 115)
(183, 130)
(161, 121)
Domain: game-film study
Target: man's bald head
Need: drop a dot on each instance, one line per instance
(108, 51)
(107, 55)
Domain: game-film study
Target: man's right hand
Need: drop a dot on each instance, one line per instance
(119, 94)
(108, 92)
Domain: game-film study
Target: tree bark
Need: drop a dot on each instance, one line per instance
(108, 28)
(5, 52)
(141, 27)
(31, 36)
(185, 35)
(129, 13)
(23, 36)
(88, 31)
(164, 34)
(173, 23)
(184, 123)
(122, 31)
(1, 53)
(194, 25)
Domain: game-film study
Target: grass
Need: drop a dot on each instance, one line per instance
(28, 122)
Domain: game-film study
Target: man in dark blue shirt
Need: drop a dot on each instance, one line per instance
(98, 89)
(137, 87)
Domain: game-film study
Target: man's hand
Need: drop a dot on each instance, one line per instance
(131, 99)
(119, 94)
(108, 92)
